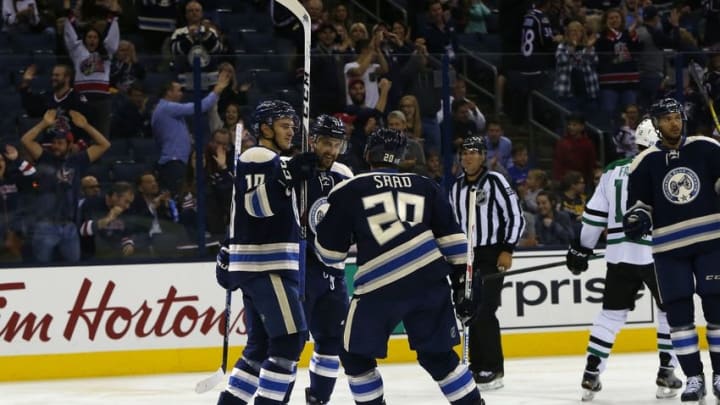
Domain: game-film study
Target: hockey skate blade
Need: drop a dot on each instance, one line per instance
(495, 384)
(588, 395)
(210, 382)
(665, 392)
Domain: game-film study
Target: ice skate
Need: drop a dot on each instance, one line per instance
(668, 384)
(590, 384)
(310, 398)
(694, 390)
(489, 380)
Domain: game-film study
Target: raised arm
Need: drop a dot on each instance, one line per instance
(29, 138)
(101, 144)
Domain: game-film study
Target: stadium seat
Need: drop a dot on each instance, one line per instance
(268, 81)
(257, 43)
(128, 171)
(119, 151)
(26, 42)
(101, 170)
(144, 150)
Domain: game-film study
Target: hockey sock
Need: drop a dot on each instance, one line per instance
(291, 386)
(713, 338)
(243, 382)
(664, 343)
(685, 343)
(323, 374)
(459, 387)
(603, 333)
(275, 377)
(367, 389)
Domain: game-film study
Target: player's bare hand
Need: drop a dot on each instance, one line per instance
(78, 119)
(504, 261)
(49, 117)
(11, 152)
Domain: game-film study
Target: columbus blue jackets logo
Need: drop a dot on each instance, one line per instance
(681, 185)
(317, 212)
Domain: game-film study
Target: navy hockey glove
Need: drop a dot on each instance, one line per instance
(465, 307)
(577, 257)
(637, 223)
(221, 267)
(300, 167)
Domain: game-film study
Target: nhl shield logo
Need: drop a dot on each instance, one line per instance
(681, 185)
(317, 212)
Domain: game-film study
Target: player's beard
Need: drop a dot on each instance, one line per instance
(326, 162)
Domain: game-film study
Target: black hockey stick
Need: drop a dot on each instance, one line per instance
(532, 268)
(302, 15)
(210, 382)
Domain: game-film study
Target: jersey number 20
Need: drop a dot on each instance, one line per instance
(386, 225)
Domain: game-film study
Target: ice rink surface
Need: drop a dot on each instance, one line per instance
(629, 379)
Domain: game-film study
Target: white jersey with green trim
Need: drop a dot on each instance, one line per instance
(605, 210)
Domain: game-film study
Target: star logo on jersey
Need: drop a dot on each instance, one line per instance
(317, 212)
(681, 185)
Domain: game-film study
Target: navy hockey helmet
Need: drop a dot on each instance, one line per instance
(332, 127)
(385, 145)
(474, 143)
(663, 107)
(270, 110)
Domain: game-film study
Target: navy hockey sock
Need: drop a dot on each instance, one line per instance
(275, 378)
(685, 342)
(242, 384)
(459, 387)
(713, 339)
(367, 389)
(286, 400)
(323, 374)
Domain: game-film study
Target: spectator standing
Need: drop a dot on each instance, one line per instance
(617, 69)
(463, 124)
(459, 90)
(478, 13)
(574, 151)
(369, 66)
(552, 227)
(219, 181)
(197, 32)
(91, 54)
(59, 174)
(499, 147)
(576, 77)
(21, 16)
(102, 219)
(125, 69)
(234, 93)
(440, 32)
(171, 132)
(131, 118)
(156, 21)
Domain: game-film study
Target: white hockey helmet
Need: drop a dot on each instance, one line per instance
(645, 134)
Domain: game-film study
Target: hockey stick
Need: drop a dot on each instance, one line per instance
(209, 383)
(301, 14)
(532, 268)
(470, 256)
(693, 71)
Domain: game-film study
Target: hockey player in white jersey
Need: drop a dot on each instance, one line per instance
(629, 266)
(673, 193)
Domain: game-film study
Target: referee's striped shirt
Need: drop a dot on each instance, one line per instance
(499, 216)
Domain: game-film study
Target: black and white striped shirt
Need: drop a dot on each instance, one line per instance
(499, 216)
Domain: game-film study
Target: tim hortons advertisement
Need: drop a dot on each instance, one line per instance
(88, 309)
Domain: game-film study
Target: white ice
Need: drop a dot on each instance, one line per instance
(629, 379)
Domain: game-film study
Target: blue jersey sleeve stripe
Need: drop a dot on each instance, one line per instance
(264, 257)
(696, 230)
(328, 256)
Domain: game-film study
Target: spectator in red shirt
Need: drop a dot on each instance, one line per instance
(575, 151)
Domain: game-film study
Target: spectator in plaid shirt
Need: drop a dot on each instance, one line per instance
(576, 78)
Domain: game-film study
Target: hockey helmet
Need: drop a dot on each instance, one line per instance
(385, 145)
(332, 127)
(269, 111)
(666, 106)
(474, 143)
(645, 134)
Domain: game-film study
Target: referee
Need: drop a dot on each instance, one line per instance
(499, 225)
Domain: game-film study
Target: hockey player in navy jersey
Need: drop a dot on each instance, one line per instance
(326, 297)
(673, 194)
(629, 267)
(407, 243)
(263, 259)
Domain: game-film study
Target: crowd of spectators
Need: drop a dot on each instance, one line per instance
(103, 164)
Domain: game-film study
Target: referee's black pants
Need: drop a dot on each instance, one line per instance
(485, 345)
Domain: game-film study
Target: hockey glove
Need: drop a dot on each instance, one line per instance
(465, 307)
(221, 267)
(300, 167)
(637, 223)
(577, 257)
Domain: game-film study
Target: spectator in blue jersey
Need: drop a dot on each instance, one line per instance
(198, 32)
(499, 147)
(172, 134)
(102, 219)
(672, 196)
(520, 168)
(59, 174)
(624, 138)
(418, 248)
(618, 74)
(576, 78)
(156, 21)
(262, 259)
(552, 227)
